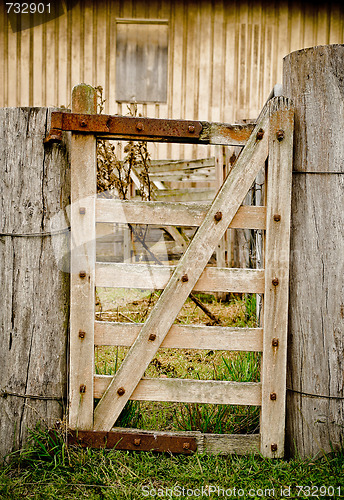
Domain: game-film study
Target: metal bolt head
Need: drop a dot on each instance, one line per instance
(82, 389)
(121, 391)
(191, 129)
(273, 396)
(275, 342)
(139, 126)
(274, 447)
(82, 274)
(280, 135)
(82, 334)
(260, 134)
(185, 278)
(186, 446)
(277, 217)
(137, 441)
(275, 282)
(152, 337)
(82, 210)
(83, 123)
(218, 216)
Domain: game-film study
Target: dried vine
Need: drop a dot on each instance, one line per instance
(114, 178)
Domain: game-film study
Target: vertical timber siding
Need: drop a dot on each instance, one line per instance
(224, 56)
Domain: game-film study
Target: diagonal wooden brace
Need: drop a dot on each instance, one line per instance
(186, 274)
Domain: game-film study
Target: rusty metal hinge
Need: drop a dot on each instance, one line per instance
(123, 127)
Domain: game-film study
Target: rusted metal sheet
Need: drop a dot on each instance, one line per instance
(138, 441)
(148, 129)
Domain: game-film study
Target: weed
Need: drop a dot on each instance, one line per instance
(74, 473)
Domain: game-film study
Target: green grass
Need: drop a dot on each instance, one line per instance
(48, 469)
(191, 364)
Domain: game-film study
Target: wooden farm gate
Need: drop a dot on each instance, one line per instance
(269, 145)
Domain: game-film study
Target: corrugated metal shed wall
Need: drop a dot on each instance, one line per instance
(224, 56)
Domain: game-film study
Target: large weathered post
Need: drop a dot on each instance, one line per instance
(35, 185)
(314, 79)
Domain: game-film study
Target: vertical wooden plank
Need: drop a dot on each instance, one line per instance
(83, 254)
(217, 63)
(335, 23)
(38, 66)
(76, 76)
(255, 105)
(50, 66)
(322, 24)
(283, 49)
(24, 62)
(177, 77)
(221, 246)
(230, 63)
(309, 25)
(276, 278)
(12, 77)
(88, 59)
(3, 55)
(100, 49)
(113, 12)
(190, 66)
(62, 64)
(295, 22)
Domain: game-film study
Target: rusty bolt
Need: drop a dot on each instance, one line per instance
(82, 274)
(274, 342)
(277, 217)
(273, 396)
(260, 134)
(191, 129)
(82, 210)
(82, 388)
(152, 337)
(185, 278)
(83, 123)
(218, 216)
(82, 334)
(275, 282)
(137, 442)
(186, 446)
(139, 126)
(121, 391)
(274, 447)
(280, 135)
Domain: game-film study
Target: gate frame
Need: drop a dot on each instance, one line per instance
(272, 138)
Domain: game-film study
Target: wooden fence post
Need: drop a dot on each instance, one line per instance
(35, 186)
(314, 79)
(83, 257)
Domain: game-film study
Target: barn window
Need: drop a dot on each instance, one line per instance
(141, 60)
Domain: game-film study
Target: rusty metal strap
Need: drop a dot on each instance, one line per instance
(148, 129)
(138, 441)
(126, 126)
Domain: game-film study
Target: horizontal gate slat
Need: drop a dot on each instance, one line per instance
(189, 391)
(183, 336)
(172, 213)
(154, 277)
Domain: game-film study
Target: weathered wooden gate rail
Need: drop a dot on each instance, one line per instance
(271, 139)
